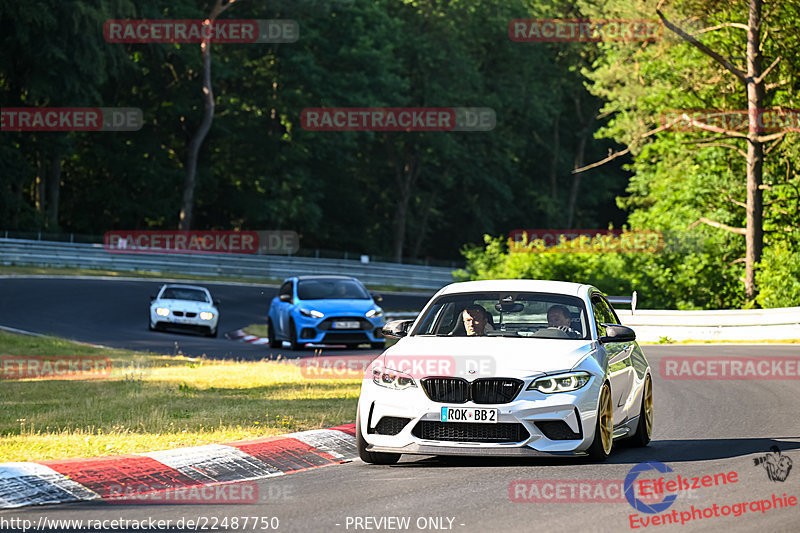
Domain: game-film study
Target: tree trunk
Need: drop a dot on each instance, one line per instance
(578, 160)
(187, 205)
(53, 191)
(426, 211)
(554, 163)
(39, 190)
(754, 236)
(405, 172)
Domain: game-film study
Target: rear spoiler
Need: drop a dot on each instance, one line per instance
(624, 300)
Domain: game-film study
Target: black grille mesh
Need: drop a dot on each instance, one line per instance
(495, 390)
(446, 390)
(469, 432)
(557, 430)
(390, 425)
(481, 391)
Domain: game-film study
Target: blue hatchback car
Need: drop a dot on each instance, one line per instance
(327, 310)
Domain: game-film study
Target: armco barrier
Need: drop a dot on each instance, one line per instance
(93, 256)
(727, 325)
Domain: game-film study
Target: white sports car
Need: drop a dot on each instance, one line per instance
(506, 368)
(184, 307)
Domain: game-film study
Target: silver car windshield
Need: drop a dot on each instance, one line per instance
(493, 314)
(176, 293)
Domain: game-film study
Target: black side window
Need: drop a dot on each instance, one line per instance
(602, 314)
(286, 288)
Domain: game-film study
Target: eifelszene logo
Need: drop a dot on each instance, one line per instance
(777, 466)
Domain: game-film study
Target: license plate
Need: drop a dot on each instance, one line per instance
(346, 324)
(469, 414)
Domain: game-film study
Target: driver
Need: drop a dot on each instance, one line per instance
(558, 317)
(476, 320)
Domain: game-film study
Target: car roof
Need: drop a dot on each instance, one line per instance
(323, 276)
(179, 286)
(518, 285)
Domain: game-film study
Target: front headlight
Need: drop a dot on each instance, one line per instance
(392, 379)
(311, 313)
(374, 312)
(205, 315)
(162, 311)
(560, 382)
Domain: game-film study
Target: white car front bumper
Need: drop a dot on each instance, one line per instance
(533, 423)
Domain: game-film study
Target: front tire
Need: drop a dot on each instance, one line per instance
(212, 332)
(273, 339)
(373, 458)
(644, 428)
(604, 427)
(293, 344)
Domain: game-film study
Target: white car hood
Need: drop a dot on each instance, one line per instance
(488, 356)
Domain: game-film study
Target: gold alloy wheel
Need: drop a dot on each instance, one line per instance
(606, 419)
(648, 406)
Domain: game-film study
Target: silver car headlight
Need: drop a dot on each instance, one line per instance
(569, 381)
(374, 312)
(311, 313)
(206, 315)
(162, 311)
(392, 379)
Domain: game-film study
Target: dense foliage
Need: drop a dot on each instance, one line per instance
(410, 194)
(684, 179)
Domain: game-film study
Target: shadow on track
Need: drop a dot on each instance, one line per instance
(665, 451)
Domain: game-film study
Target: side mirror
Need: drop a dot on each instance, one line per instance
(397, 328)
(153, 297)
(617, 333)
(216, 303)
(378, 298)
(285, 298)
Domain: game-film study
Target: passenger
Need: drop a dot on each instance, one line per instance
(476, 320)
(559, 317)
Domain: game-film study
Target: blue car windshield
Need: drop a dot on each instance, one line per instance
(331, 289)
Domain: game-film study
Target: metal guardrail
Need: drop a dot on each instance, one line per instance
(94, 256)
(734, 325)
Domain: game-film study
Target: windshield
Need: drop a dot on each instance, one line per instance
(525, 314)
(173, 293)
(331, 289)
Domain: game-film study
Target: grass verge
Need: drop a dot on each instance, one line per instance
(156, 402)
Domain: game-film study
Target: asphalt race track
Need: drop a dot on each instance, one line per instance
(114, 313)
(702, 427)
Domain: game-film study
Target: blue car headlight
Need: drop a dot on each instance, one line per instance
(374, 312)
(311, 313)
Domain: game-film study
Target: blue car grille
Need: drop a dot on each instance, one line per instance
(327, 324)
